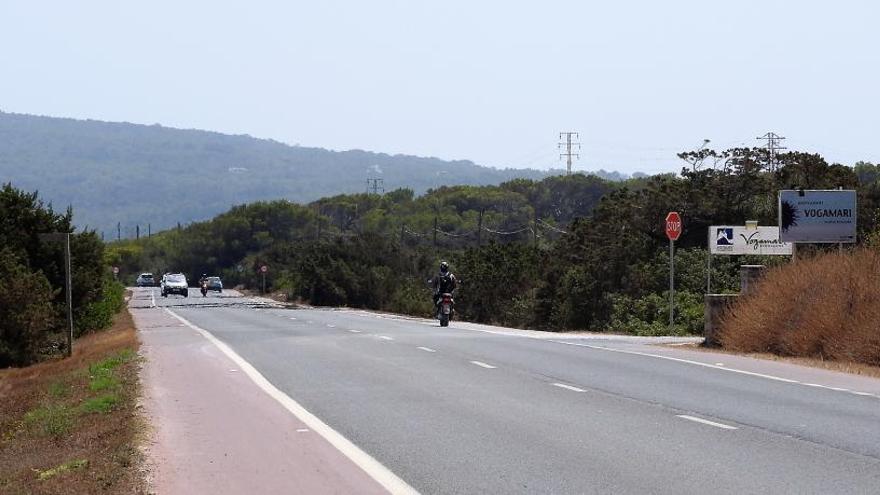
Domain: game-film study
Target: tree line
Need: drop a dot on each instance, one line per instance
(566, 252)
(32, 280)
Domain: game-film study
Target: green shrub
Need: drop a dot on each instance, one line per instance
(99, 314)
(26, 312)
(102, 404)
(51, 420)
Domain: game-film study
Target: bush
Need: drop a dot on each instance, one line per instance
(99, 314)
(826, 307)
(649, 315)
(26, 312)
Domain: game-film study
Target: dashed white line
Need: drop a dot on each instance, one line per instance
(706, 422)
(152, 298)
(352, 330)
(331, 326)
(385, 337)
(302, 430)
(426, 349)
(483, 365)
(292, 318)
(569, 387)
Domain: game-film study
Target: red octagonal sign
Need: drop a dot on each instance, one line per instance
(673, 225)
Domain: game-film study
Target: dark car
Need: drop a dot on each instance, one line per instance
(146, 280)
(214, 283)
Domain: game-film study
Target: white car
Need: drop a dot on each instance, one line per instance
(174, 283)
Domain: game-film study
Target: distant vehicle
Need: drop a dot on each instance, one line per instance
(174, 283)
(215, 284)
(146, 280)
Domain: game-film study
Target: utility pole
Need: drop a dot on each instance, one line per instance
(435, 232)
(68, 281)
(149, 230)
(118, 231)
(535, 228)
(567, 144)
(480, 228)
(375, 185)
(137, 232)
(772, 146)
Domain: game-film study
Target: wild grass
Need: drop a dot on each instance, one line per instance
(827, 307)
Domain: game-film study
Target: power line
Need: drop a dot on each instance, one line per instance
(773, 146)
(567, 143)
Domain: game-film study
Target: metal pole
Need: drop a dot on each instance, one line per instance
(709, 264)
(671, 284)
(69, 281)
(264, 282)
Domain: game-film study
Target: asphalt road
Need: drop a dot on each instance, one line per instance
(475, 409)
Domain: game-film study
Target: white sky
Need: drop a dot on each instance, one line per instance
(489, 81)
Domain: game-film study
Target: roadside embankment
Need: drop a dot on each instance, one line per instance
(70, 425)
(827, 308)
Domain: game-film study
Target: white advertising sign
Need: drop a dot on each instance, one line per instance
(817, 216)
(738, 240)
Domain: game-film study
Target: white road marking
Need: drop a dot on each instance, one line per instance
(302, 430)
(866, 394)
(426, 349)
(569, 387)
(371, 466)
(679, 360)
(483, 365)
(352, 330)
(152, 298)
(706, 422)
(292, 318)
(385, 337)
(331, 326)
(719, 364)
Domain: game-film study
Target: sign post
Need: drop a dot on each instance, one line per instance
(673, 232)
(65, 238)
(263, 270)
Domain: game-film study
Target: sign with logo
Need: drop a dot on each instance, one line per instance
(739, 240)
(817, 216)
(673, 225)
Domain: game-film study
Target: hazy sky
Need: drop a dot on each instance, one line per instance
(489, 81)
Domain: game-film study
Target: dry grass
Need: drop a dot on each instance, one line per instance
(70, 425)
(827, 308)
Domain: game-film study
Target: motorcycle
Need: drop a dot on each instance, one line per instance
(445, 309)
(204, 289)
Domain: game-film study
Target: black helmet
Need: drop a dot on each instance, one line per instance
(444, 267)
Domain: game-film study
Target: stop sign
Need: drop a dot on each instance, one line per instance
(115, 270)
(673, 225)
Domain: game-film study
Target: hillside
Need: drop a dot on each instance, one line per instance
(138, 174)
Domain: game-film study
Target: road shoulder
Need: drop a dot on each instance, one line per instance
(214, 431)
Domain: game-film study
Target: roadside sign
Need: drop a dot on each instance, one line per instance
(264, 269)
(115, 270)
(821, 216)
(739, 240)
(673, 225)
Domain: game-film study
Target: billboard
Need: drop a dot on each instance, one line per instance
(817, 216)
(738, 240)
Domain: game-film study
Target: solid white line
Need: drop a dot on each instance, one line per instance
(568, 387)
(483, 365)
(426, 349)
(679, 360)
(371, 466)
(866, 394)
(385, 337)
(706, 422)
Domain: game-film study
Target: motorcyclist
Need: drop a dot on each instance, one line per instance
(443, 283)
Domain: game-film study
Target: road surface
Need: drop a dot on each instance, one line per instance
(478, 409)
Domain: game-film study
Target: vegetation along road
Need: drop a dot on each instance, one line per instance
(480, 409)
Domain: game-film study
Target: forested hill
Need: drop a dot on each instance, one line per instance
(139, 174)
